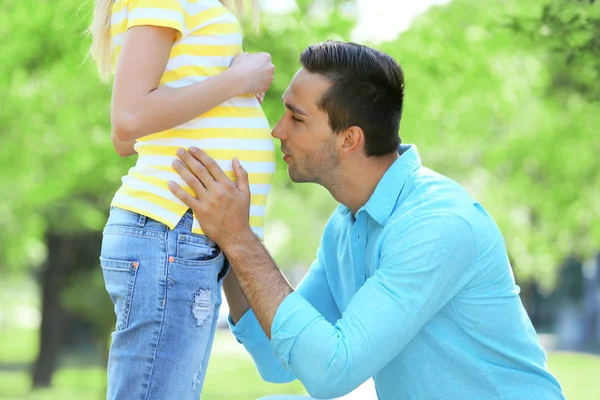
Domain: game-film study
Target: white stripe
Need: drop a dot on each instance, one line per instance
(119, 17)
(201, 40)
(147, 206)
(118, 39)
(242, 102)
(256, 189)
(225, 165)
(157, 13)
(249, 166)
(153, 172)
(257, 211)
(230, 122)
(213, 144)
(199, 6)
(220, 19)
(186, 60)
(260, 188)
(213, 40)
(195, 224)
(136, 184)
(187, 81)
(258, 231)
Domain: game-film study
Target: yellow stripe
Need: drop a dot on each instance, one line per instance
(119, 28)
(206, 50)
(254, 178)
(116, 7)
(158, 218)
(125, 24)
(258, 199)
(223, 28)
(257, 221)
(203, 17)
(220, 154)
(152, 198)
(189, 71)
(212, 133)
(217, 112)
(234, 112)
(161, 4)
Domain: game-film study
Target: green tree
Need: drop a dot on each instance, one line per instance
(478, 104)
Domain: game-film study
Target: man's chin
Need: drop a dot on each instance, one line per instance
(295, 177)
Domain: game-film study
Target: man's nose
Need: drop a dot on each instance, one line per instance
(276, 132)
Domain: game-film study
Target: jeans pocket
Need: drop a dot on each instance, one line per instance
(119, 280)
(196, 249)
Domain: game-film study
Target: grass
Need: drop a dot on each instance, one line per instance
(231, 374)
(577, 373)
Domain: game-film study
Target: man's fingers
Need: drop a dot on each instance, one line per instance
(241, 177)
(196, 167)
(182, 195)
(190, 179)
(210, 164)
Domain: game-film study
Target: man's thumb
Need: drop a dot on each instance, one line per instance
(241, 177)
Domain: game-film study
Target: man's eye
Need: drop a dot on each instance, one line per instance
(296, 119)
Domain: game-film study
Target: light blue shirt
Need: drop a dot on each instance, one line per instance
(417, 292)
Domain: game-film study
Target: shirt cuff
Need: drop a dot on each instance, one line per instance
(247, 331)
(294, 314)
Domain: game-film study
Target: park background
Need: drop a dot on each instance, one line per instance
(502, 96)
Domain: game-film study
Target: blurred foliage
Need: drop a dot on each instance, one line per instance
(482, 106)
(486, 102)
(571, 30)
(500, 96)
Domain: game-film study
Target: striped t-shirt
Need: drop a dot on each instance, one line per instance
(208, 37)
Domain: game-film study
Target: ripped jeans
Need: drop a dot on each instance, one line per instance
(166, 288)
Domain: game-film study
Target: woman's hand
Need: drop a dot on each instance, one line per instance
(256, 69)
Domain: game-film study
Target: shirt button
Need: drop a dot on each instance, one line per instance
(358, 237)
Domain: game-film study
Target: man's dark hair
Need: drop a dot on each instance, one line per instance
(367, 91)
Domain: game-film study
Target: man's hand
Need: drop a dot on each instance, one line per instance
(222, 207)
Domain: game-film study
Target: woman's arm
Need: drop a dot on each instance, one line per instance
(123, 148)
(141, 108)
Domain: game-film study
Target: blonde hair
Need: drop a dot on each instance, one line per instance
(100, 29)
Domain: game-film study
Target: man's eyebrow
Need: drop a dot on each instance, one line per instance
(295, 109)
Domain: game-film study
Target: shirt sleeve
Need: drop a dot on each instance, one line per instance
(164, 13)
(314, 289)
(423, 264)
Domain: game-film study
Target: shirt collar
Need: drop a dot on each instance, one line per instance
(383, 200)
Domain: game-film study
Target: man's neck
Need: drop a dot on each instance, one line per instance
(356, 183)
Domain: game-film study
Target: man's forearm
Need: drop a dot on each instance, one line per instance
(259, 278)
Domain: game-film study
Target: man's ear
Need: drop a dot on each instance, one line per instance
(353, 140)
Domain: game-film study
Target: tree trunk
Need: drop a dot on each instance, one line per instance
(60, 256)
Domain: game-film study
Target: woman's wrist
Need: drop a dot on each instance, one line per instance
(236, 80)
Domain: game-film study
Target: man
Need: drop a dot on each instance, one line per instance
(411, 286)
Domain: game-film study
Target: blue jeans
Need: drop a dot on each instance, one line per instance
(166, 288)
